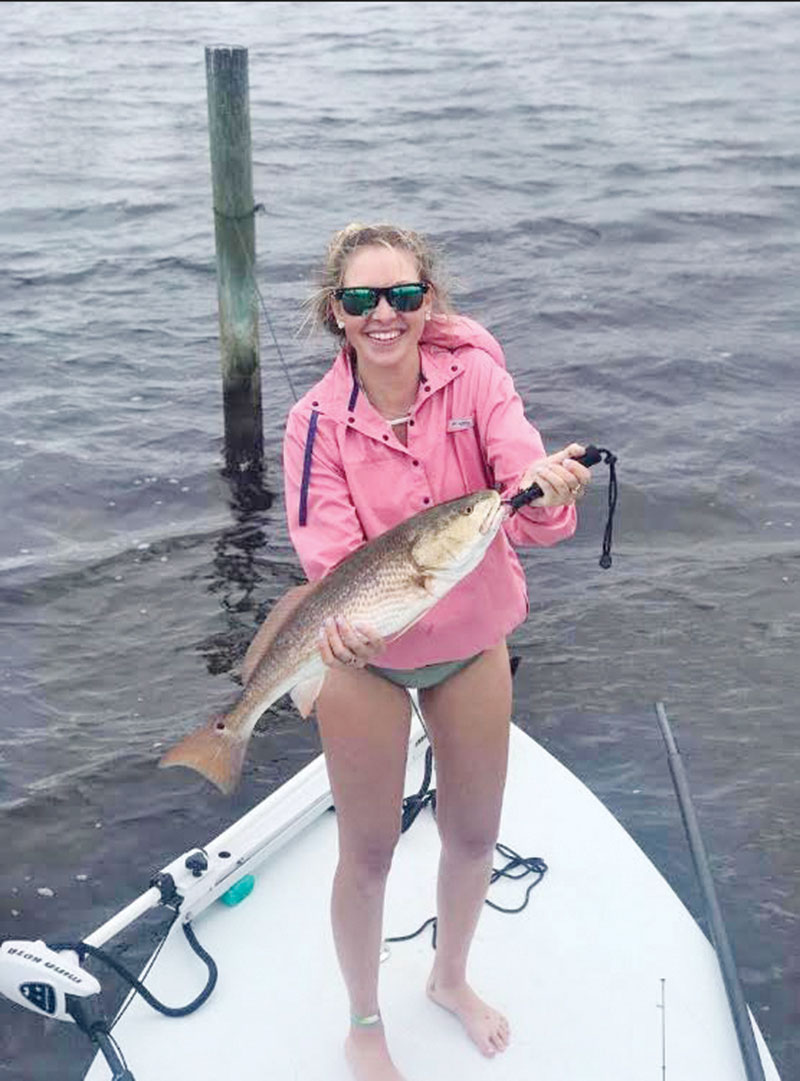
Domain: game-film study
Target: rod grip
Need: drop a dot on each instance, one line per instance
(591, 457)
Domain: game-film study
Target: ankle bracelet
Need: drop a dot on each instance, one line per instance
(365, 1022)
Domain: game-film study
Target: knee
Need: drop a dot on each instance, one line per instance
(369, 859)
(469, 844)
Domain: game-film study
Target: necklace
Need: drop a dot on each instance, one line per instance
(396, 420)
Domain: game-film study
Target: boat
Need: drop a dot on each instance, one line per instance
(602, 971)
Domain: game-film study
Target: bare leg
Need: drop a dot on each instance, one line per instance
(364, 724)
(468, 718)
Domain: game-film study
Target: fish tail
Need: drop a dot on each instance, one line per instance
(216, 751)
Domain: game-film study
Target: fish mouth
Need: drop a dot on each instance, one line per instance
(494, 517)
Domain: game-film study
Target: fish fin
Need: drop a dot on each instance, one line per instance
(278, 615)
(426, 583)
(305, 694)
(216, 750)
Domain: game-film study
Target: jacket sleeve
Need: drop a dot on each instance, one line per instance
(332, 529)
(510, 443)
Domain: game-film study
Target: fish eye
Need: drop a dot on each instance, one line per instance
(468, 510)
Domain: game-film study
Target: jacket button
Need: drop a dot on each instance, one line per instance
(351, 420)
(453, 367)
(315, 403)
(411, 424)
(415, 462)
(426, 388)
(426, 500)
(386, 439)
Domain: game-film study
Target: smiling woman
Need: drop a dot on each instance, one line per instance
(383, 310)
(416, 410)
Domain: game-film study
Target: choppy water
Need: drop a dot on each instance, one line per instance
(617, 189)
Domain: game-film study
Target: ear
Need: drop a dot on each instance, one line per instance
(337, 313)
(428, 302)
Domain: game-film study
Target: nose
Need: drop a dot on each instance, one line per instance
(384, 310)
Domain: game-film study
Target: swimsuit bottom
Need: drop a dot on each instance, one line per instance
(425, 677)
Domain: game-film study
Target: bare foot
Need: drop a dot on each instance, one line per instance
(486, 1027)
(368, 1056)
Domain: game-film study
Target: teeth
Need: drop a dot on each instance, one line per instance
(385, 336)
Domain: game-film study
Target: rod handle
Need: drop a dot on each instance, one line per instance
(591, 457)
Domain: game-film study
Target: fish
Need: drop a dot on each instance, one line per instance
(389, 583)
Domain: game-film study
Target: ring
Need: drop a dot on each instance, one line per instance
(353, 660)
(577, 492)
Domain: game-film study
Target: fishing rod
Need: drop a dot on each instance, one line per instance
(719, 937)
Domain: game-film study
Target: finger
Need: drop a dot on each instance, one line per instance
(353, 641)
(580, 472)
(574, 450)
(554, 487)
(325, 651)
(340, 650)
(372, 639)
(563, 486)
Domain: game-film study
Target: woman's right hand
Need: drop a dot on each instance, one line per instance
(346, 645)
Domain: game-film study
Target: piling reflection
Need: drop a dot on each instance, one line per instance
(236, 573)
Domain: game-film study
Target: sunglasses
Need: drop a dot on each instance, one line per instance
(363, 299)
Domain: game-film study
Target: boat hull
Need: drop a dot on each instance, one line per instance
(583, 973)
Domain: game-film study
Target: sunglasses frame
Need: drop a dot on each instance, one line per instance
(389, 291)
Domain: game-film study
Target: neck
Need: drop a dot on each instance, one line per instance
(392, 393)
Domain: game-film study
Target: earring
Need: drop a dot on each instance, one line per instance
(427, 317)
(340, 324)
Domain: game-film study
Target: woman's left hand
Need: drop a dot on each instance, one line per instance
(561, 478)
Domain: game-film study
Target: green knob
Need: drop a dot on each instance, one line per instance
(238, 891)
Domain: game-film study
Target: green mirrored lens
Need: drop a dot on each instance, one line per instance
(405, 298)
(359, 301)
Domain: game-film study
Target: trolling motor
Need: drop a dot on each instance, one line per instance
(49, 980)
(592, 456)
(52, 984)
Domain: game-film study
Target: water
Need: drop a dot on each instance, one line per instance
(616, 188)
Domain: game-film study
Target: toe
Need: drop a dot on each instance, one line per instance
(487, 1044)
(501, 1034)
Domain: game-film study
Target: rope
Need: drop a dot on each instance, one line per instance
(235, 219)
(611, 462)
(83, 950)
(591, 457)
(517, 867)
(529, 865)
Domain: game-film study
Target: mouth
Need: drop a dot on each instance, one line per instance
(494, 518)
(384, 337)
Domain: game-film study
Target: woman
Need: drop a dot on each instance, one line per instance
(416, 409)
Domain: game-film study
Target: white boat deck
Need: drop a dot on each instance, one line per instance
(578, 972)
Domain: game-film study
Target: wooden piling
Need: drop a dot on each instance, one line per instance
(234, 227)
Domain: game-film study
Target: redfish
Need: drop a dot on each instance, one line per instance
(389, 583)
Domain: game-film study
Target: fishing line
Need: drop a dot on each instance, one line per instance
(148, 967)
(232, 218)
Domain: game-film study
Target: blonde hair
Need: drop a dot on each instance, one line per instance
(348, 240)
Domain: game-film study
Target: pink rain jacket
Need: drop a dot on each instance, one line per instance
(348, 479)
